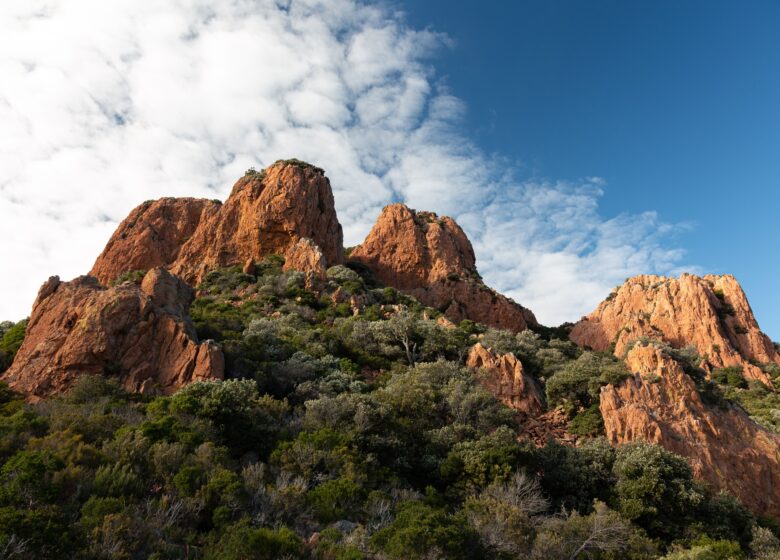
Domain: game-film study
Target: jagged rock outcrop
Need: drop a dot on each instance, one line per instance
(710, 313)
(140, 335)
(430, 258)
(504, 376)
(306, 256)
(661, 405)
(266, 213)
(152, 235)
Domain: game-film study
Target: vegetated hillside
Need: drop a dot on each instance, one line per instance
(348, 428)
(288, 402)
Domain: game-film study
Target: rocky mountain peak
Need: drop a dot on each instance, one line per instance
(430, 258)
(710, 313)
(267, 212)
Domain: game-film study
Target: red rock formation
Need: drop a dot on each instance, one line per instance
(139, 334)
(661, 405)
(431, 259)
(503, 375)
(152, 235)
(306, 256)
(266, 213)
(711, 313)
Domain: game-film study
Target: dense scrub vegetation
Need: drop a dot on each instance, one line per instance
(349, 429)
(11, 337)
(760, 402)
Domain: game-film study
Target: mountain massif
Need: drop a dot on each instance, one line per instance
(285, 395)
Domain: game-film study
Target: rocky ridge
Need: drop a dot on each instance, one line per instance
(430, 258)
(140, 335)
(710, 313)
(660, 404)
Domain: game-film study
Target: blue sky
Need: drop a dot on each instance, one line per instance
(577, 143)
(675, 104)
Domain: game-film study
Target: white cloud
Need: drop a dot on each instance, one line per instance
(106, 104)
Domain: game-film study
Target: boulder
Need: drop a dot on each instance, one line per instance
(504, 376)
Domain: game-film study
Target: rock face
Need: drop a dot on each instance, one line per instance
(503, 375)
(661, 405)
(152, 235)
(431, 259)
(140, 335)
(710, 313)
(305, 255)
(266, 213)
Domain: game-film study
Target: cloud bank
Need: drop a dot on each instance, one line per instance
(106, 104)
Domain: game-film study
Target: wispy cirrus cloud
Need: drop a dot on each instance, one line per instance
(104, 105)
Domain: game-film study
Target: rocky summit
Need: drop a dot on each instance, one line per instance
(267, 212)
(430, 258)
(712, 314)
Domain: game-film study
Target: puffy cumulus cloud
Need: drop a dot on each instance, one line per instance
(106, 104)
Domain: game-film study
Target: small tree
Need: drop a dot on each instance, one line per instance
(403, 329)
(603, 531)
(655, 489)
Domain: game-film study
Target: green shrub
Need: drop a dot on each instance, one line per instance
(189, 479)
(132, 276)
(335, 499)
(731, 376)
(707, 549)
(117, 480)
(11, 338)
(655, 490)
(243, 542)
(577, 384)
(252, 173)
(302, 164)
(29, 477)
(420, 530)
(588, 422)
(95, 509)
